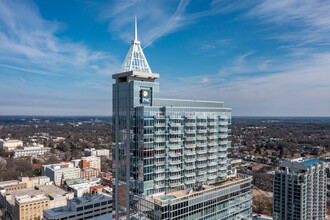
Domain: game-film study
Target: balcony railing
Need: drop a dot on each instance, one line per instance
(223, 142)
(223, 123)
(190, 160)
(223, 129)
(202, 131)
(223, 136)
(212, 130)
(202, 145)
(212, 150)
(175, 124)
(212, 144)
(190, 124)
(203, 172)
(190, 139)
(213, 117)
(211, 164)
(212, 170)
(190, 153)
(201, 151)
(202, 158)
(159, 132)
(175, 162)
(159, 147)
(212, 137)
(175, 177)
(213, 123)
(190, 117)
(159, 117)
(202, 124)
(175, 117)
(222, 155)
(160, 171)
(211, 157)
(223, 116)
(172, 170)
(175, 139)
(201, 165)
(189, 181)
(159, 125)
(160, 178)
(175, 154)
(190, 146)
(201, 117)
(159, 155)
(190, 174)
(190, 131)
(176, 184)
(175, 132)
(157, 186)
(159, 140)
(176, 147)
(160, 163)
(222, 168)
(201, 179)
(201, 138)
(190, 167)
(212, 177)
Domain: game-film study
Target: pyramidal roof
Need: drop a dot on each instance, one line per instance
(135, 59)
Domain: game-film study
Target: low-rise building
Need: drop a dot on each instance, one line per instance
(89, 173)
(29, 203)
(9, 144)
(82, 208)
(59, 172)
(83, 188)
(31, 151)
(88, 162)
(97, 153)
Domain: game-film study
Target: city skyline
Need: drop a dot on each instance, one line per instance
(261, 59)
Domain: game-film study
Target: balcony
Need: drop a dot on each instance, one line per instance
(175, 154)
(201, 179)
(158, 186)
(176, 184)
(212, 144)
(190, 160)
(176, 169)
(222, 162)
(201, 165)
(160, 178)
(223, 142)
(176, 117)
(202, 131)
(189, 181)
(203, 172)
(159, 148)
(175, 124)
(189, 146)
(202, 138)
(159, 140)
(175, 162)
(222, 155)
(190, 138)
(213, 117)
(176, 147)
(223, 149)
(160, 163)
(212, 177)
(202, 124)
(159, 132)
(223, 129)
(175, 177)
(175, 132)
(212, 170)
(159, 155)
(190, 153)
(201, 117)
(201, 151)
(211, 164)
(223, 123)
(190, 167)
(222, 168)
(212, 137)
(190, 131)
(201, 158)
(190, 174)
(159, 125)
(159, 117)
(213, 123)
(223, 136)
(212, 150)
(190, 117)
(212, 130)
(175, 139)
(190, 124)
(212, 157)
(223, 116)
(160, 171)
(202, 145)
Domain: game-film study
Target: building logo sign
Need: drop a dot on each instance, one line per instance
(146, 96)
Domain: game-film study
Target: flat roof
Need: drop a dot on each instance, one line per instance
(49, 191)
(185, 194)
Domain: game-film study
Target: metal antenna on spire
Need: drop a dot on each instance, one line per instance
(135, 36)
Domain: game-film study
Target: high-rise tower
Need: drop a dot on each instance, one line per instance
(169, 146)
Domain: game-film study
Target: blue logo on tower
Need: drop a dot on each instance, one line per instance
(146, 96)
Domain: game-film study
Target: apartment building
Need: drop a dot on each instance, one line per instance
(97, 153)
(300, 190)
(59, 172)
(32, 151)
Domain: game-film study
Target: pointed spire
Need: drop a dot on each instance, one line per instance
(135, 59)
(135, 35)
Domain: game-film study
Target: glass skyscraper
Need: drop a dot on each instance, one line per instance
(165, 146)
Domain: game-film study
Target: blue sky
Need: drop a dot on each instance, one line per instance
(262, 58)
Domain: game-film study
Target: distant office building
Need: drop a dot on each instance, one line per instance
(88, 162)
(171, 147)
(89, 173)
(300, 190)
(86, 207)
(59, 172)
(29, 203)
(82, 189)
(9, 145)
(33, 151)
(97, 153)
